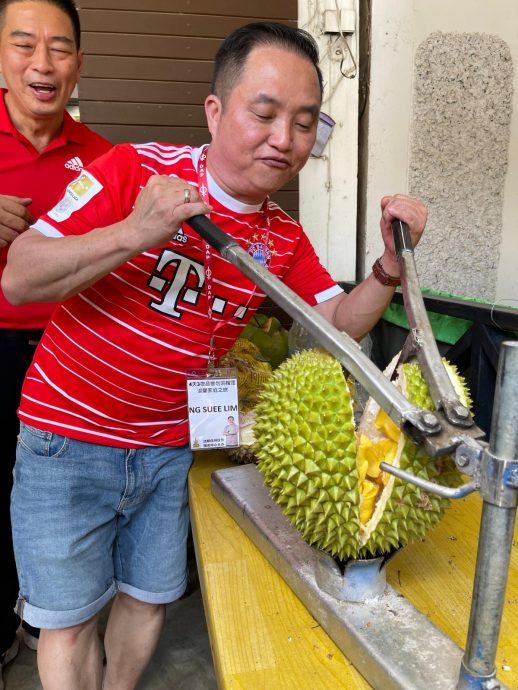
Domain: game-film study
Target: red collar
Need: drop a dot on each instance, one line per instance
(71, 131)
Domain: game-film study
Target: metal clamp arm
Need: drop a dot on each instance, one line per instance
(422, 339)
(339, 344)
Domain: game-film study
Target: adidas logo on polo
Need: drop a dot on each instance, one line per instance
(74, 163)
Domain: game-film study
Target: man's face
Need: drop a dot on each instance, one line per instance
(264, 132)
(38, 59)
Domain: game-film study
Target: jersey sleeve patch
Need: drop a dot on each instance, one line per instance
(77, 194)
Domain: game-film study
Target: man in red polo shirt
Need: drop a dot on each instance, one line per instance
(42, 149)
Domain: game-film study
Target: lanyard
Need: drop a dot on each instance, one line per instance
(203, 189)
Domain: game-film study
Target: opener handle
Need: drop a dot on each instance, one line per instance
(211, 233)
(402, 239)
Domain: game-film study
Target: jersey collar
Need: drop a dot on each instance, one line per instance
(221, 196)
(71, 131)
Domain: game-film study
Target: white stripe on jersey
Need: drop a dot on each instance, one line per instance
(46, 229)
(98, 434)
(110, 366)
(123, 350)
(167, 149)
(328, 294)
(137, 331)
(163, 157)
(88, 408)
(153, 325)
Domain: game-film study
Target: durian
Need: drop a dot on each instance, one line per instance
(246, 452)
(269, 335)
(252, 370)
(325, 474)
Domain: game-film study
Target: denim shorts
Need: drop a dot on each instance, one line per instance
(90, 521)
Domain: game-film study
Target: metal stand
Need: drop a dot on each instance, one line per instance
(499, 484)
(392, 644)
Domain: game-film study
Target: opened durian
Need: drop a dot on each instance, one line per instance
(326, 476)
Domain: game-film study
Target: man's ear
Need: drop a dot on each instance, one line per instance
(213, 109)
(80, 57)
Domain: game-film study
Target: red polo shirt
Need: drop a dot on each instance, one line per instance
(25, 172)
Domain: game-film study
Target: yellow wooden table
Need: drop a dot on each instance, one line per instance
(263, 637)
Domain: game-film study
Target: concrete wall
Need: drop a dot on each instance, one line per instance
(442, 125)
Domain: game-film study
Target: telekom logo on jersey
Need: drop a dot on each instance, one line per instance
(176, 288)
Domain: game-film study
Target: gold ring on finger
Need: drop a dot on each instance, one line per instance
(186, 196)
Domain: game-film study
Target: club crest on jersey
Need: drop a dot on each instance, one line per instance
(181, 236)
(261, 253)
(261, 249)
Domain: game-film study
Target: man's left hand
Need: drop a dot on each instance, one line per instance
(411, 211)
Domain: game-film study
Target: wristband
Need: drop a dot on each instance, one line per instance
(382, 276)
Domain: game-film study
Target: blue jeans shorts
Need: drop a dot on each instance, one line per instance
(90, 521)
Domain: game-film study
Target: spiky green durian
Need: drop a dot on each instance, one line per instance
(305, 435)
(330, 487)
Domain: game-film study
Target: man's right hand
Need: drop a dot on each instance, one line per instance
(160, 209)
(15, 218)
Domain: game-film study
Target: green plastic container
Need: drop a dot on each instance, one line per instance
(446, 329)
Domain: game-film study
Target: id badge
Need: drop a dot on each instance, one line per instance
(213, 409)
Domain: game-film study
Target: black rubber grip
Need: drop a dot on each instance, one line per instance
(402, 240)
(211, 233)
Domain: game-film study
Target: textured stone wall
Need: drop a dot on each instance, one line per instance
(460, 129)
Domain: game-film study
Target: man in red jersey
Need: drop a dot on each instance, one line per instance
(103, 406)
(41, 150)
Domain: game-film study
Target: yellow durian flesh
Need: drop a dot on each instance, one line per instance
(372, 478)
(404, 512)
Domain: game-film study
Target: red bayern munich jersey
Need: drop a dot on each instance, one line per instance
(111, 366)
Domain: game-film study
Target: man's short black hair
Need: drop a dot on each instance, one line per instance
(233, 52)
(67, 6)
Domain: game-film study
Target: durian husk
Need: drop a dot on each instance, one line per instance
(306, 447)
(252, 373)
(246, 452)
(252, 370)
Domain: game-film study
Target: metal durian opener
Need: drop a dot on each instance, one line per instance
(440, 432)
(493, 466)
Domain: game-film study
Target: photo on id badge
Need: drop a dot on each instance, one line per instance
(213, 411)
